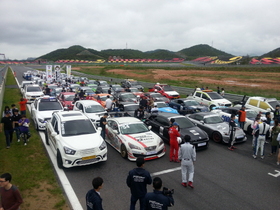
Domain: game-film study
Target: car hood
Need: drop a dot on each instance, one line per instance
(195, 133)
(168, 109)
(171, 93)
(82, 142)
(222, 101)
(145, 139)
(34, 93)
(202, 108)
(223, 126)
(95, 116)
(46, 114)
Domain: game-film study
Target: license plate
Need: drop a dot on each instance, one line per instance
(89, 157)
(240, 137)
(151, 152)
(201, 144)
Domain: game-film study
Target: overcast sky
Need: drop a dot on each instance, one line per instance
(31, 28)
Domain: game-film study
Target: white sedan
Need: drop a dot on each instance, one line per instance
(132, 138)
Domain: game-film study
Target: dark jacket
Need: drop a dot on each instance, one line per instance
(137, 181)
(156, 200)
(139, 114)
(93, 200)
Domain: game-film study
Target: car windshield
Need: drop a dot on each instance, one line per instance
(48, 106)
(167, 88)
(94, 108)
(273, 103)
(133, 128)
(213, 120)
(156, 95)
(103, 98)
(132, 107)
(33, 89)
(134, 83)
(128, 95)
(184, 122)
(77, 127)
(69, 97)
(191, 103)
(251, 113)
(134, 90)
(161, 105)
(215, 96)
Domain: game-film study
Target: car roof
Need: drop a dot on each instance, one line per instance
(205, 113)
(121, 120)
(88, 102)
(168, 115)
(70, 115)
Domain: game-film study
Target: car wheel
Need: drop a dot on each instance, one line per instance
(36, 126)
(59, 160)
(217, 137)
(123, 151)
(47, 138)
(211, 107)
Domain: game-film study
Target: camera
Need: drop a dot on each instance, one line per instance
(167, 192)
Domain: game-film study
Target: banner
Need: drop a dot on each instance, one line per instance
(68, 71)
(56, 75)
(49, 73)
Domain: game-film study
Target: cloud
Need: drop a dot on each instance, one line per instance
(33, 28)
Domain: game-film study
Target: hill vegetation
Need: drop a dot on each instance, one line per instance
(78, 52)
(81, 53)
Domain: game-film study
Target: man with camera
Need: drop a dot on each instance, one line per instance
(159, 200)
(187, 156)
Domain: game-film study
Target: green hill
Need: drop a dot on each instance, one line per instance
(272, 54)
(81, 53)
(202, 50)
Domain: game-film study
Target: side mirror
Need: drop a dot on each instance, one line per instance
(201, 121)
(150, 127)
(116, 131)
(53, 134)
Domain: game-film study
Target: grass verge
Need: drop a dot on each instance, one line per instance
(29, 165)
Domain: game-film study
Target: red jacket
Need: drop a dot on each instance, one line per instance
(173, 134)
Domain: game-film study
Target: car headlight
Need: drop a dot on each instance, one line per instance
(103, 145)
(27, 95)
(161, 142)
(69, 151)
(41, 120)
(132, 146)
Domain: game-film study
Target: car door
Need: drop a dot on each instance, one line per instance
(53, 127)
(205, 100)
(112, 133)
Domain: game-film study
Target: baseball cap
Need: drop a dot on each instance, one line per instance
(7, 112)
(175, 124)
(15, 110)
(263, 118)
(155, 104)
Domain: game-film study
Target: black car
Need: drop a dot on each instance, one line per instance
(187, 106)
(160, 125)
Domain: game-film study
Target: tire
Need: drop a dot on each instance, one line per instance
(59, 160)
(123, 151)
(47, 138)
(36, 126)
(211, 107)
(217, 137)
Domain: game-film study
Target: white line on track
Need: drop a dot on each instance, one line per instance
(166, 171)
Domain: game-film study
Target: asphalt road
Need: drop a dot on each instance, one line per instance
(223, 179)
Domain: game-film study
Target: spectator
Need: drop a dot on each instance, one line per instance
(242, 117)
(274, 134)
(93, 199)
(187, 156)
(103, 123)
(174, 146)
(7, 109)
(277, 113)
(7, 121)
(16, 117)
(232, 128)
(13, 108)
(47, 90)
(158, 199)
(24, 128)
(22, 106)
(263, 128)
(223, 92)
(137, 180)
(10, 197)
(139, 113)
(108, 103)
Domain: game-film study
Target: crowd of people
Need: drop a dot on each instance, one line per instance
(14, 120)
